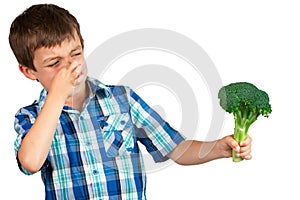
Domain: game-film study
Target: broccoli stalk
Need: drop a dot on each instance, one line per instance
(246, 102)
(242, 122)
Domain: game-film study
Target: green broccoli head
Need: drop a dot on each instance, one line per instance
(244, 98)
(246, 102)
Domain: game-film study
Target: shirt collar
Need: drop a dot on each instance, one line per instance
(97, 87)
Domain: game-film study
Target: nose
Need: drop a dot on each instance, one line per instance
(66, 62)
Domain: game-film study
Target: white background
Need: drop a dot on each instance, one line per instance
(255, 41)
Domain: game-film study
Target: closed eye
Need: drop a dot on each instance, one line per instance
(76, 54)
(53, 64)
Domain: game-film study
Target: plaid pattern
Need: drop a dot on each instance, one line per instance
(95, 154)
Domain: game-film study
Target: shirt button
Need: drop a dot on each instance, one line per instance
(122, 122)
(105, 123)
(130, 149)
(95, 172)
(88, 143)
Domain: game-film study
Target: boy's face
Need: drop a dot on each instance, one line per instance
(48, 61)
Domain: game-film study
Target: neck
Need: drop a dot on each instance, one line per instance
(77, 99)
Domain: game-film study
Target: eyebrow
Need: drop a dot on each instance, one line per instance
(57, 57)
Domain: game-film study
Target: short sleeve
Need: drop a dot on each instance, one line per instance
(152, 131)
(24, 120)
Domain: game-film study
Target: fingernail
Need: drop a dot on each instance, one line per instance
(78, 69)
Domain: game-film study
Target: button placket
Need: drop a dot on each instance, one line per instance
(86, 139)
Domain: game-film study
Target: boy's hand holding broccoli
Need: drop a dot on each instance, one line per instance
(246, 102)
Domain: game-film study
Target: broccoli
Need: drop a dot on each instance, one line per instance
(246, 102)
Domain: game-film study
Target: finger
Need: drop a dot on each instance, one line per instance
(233, 144)
(245, 149)
(246, 142)
(76, 71)
(248, 157)
(245, 153)
(73, 66)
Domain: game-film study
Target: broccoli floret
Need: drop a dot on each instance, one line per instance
(246, 102)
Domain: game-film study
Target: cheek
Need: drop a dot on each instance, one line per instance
(49, 75)
(52, 73)
(47, 79)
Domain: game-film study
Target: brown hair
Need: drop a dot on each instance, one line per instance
(41, 25)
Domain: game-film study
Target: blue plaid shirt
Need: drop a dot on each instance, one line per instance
(95, 153)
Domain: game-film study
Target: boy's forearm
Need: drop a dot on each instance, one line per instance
(192, 152)
(36, 144)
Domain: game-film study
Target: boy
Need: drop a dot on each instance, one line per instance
(81, 134)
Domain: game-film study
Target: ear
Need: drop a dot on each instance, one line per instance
(28, 73)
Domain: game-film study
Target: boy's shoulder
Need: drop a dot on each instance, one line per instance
(33, 108)
(27, 113)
